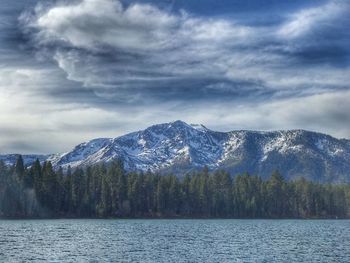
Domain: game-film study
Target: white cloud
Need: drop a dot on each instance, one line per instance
(93, 23)
(139, 27)
(327, 113)
(312, 19)
(32, 122)
(143, 41)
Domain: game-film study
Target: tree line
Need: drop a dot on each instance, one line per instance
(107, 190)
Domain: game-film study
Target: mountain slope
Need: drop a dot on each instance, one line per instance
(179, 147)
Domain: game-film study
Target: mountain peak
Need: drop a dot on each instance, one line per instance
(179, 124)
(182, 124)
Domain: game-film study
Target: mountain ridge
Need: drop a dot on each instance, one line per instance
(178, 147)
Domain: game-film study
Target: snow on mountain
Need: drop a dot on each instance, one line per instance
(179, 147)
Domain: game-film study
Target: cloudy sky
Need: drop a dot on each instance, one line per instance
(73, 70)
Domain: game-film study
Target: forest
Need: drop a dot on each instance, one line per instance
(108, 191)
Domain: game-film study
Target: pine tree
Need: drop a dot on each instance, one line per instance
(108, 191)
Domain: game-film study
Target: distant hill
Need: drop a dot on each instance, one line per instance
(178, 147)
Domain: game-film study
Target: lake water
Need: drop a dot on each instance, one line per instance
(175, 240)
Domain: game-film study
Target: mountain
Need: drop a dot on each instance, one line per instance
(178, 147)
(10, 159)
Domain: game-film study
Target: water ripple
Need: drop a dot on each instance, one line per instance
(175, 241)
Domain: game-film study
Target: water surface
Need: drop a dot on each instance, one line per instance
(175, 240)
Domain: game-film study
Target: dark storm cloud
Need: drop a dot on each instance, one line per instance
(140, 51)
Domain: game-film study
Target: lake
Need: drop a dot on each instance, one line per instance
(175, 240)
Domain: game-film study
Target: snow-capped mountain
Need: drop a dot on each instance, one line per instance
(159, 147)
(179, 147)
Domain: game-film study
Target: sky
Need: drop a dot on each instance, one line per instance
(71, 71)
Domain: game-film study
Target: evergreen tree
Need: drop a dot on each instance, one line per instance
(108, 191)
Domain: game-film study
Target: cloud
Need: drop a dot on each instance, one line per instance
(76, 70)
(137, 51)
(314, 20)
(327, 113)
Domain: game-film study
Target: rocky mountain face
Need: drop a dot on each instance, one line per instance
(178, 147)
